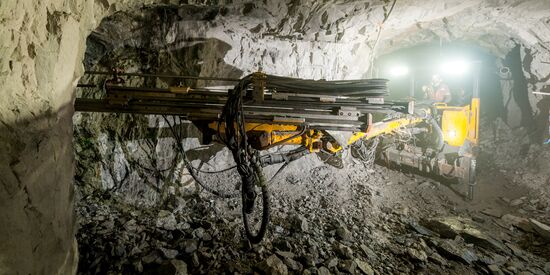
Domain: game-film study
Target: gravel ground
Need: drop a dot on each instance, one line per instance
(326, 221)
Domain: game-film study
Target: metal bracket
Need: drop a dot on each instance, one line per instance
(410, 107)
(279, 96)
(259, 82)
(375, 100)
(348, 112)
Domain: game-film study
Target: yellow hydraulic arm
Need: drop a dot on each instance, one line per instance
(270, 135)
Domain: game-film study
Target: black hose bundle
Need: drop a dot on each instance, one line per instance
(247, 159)
(439, 132)
(350, 88)
(192, 169)
(365, 150)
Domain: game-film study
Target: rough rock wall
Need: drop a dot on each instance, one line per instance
(331, 39)
(41, 52)
(498, 26)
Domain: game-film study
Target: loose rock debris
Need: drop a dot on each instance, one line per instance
(321, 225)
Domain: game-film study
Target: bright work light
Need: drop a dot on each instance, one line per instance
(455, 67)
(399, 71)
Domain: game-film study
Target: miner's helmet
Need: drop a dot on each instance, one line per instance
(436, 80)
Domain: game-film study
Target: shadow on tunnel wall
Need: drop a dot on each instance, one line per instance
(520, 90)
(161, 40)
(149, 41)
(202, 57)
(135, 154)
(125, 151)
(36, 194)
(542, 119)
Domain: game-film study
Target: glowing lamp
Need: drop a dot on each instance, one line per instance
(398, 71)
(455, 67)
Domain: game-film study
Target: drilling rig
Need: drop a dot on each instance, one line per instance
(317, 116)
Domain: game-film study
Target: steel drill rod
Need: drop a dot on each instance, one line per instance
(165, 76)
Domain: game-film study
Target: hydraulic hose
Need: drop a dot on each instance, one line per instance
(247, 159)
(192, 169)
(271, 159)
(257, 179)
(437, 129)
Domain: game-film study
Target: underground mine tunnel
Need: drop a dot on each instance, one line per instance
(275, 137)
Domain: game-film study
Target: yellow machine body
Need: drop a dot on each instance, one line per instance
(275, 134)
(473, 122)
(377, 129)
(460, 123)
(454, 125)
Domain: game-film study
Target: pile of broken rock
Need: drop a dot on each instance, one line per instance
(317, 228)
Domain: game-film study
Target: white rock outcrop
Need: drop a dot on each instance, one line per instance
(42, 46)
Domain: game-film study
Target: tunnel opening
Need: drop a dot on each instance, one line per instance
(457, 64)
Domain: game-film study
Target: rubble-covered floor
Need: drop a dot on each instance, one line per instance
(327, 221)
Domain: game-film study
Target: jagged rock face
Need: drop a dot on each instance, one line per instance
(314, 40)
(43, 46)
(326, 39)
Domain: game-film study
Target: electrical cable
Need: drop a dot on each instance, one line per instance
(247, 159)
(192, 169)
(365, 150)
(279, 171)
(440, 140)
(349, 88)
